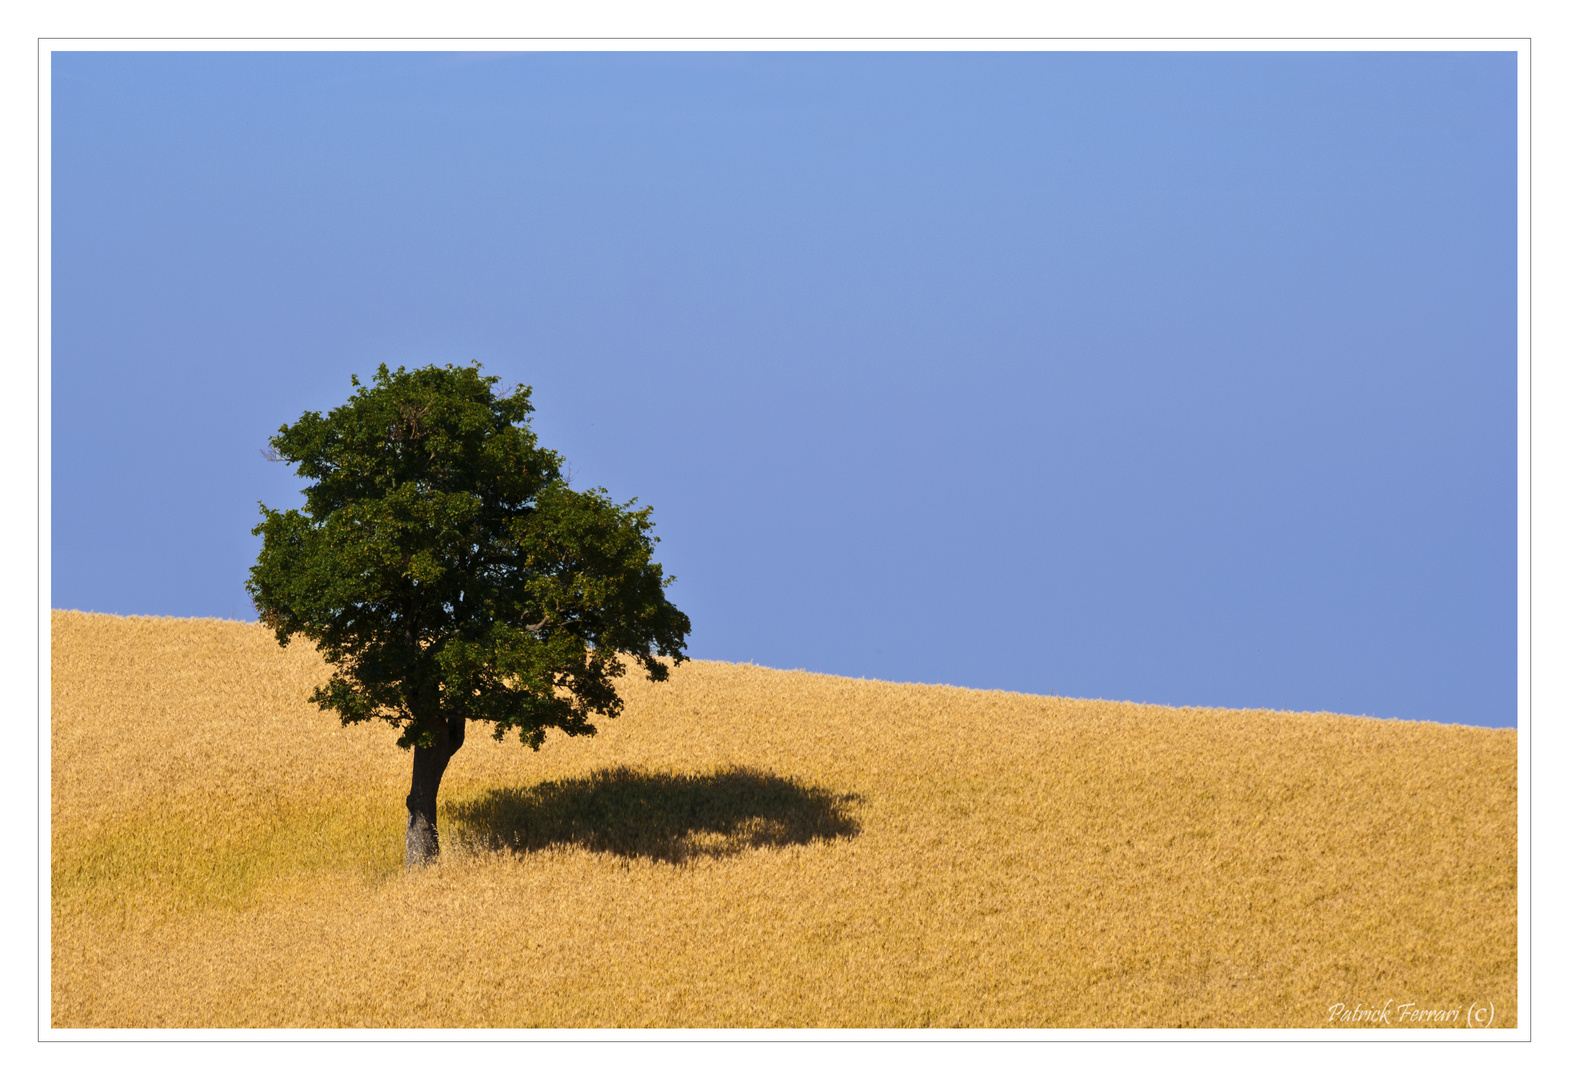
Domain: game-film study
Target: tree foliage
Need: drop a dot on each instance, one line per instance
(446, 571)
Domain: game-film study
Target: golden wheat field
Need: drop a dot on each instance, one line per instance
(746, 847)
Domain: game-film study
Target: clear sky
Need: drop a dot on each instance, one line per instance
(1186, 378)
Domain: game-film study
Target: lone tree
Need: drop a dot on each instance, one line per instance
(447, 572)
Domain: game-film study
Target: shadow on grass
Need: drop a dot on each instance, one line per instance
(666, 817)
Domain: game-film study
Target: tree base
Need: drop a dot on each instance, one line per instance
(422, 844)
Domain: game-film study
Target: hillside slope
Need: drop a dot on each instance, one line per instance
(749, 847)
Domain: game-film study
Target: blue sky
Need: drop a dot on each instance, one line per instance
(1176, 377)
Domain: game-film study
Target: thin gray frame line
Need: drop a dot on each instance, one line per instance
(700, 37)
(1529, 508)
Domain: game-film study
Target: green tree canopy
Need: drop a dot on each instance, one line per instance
(447, 572)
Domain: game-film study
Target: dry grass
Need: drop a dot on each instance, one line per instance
(748, 847)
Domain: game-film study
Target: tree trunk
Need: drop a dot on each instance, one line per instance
(422, 844)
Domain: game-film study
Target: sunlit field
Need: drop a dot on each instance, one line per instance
(746, 847)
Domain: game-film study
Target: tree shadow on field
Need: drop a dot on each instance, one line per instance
(666, 817)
